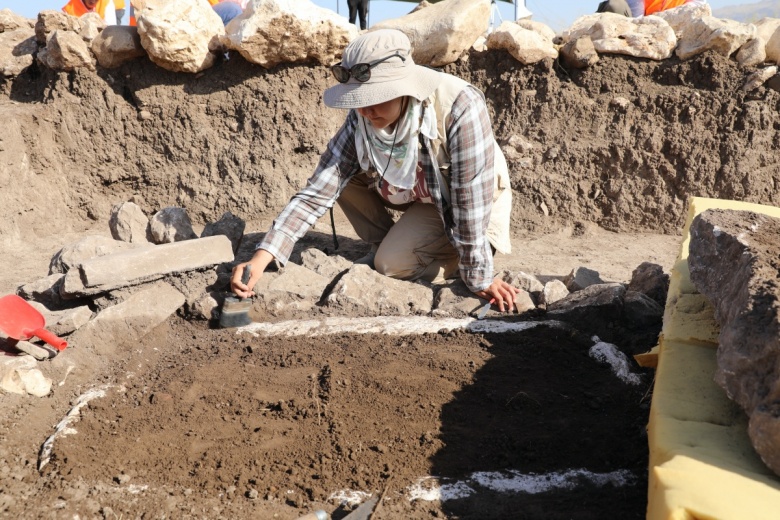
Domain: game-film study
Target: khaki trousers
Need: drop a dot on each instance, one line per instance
(413, 248)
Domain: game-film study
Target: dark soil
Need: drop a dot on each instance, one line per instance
(217, 416)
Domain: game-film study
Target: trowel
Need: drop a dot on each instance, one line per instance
(235, 310)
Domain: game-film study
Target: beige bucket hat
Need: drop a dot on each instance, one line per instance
(390, 76)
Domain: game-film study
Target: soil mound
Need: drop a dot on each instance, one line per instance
(622, 144)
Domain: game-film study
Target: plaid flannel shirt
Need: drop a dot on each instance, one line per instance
(470, 146)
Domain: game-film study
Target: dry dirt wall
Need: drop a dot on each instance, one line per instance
(622, 144)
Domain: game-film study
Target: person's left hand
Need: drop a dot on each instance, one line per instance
(505, 295)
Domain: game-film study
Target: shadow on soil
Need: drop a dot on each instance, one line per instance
(539, 410)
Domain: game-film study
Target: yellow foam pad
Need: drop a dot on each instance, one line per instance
(702, 464)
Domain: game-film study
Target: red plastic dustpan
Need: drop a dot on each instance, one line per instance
(20, 320)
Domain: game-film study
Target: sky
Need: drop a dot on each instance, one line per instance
(558, 14)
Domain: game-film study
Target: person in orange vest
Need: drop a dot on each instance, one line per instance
(105, 8)
(638, 8)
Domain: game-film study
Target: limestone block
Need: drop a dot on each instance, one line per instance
(10, 21)
(733, 262)
(128, 223)
(752, 53)
(180, 35)
(44, 290)
(368, 293)
(292, 288)
(527, 282)
(116, 45)
(712, 34)
(539, 27)
(270, 32)
(229, 225)
(144, 264)
(129, 321)
(553, 291)
(767, 29)
(579, 53)
(680, 17)
(171, 225)
(526, 46)
(641, 311)
(91, 26)
(50, 21)
(19, 376)
(646, 37)
(442, 32)
(66, 51)
(759, 77)
(16, 50)
(324, 265)
(90, 246)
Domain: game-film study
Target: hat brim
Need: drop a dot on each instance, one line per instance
(419, 83)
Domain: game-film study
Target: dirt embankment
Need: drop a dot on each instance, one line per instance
(622, 144)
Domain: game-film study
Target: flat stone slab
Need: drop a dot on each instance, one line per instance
(144, 264)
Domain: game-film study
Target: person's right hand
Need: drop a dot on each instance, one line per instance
(259, 262)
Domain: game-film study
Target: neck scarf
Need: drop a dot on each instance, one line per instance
(394, 154)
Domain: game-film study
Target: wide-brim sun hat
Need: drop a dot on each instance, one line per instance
(390, 79)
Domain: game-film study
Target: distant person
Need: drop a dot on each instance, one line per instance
(615, 6)
(228, 9)
(646, 7)
(105, 8)
(358, 7)
(120, 10)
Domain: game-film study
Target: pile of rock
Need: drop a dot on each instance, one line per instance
(186, 36)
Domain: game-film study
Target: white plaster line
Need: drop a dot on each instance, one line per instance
(433, 488)
(610, 354)
(63, 427)
(390, 325)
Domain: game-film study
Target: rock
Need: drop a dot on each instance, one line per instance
(17, 47)
(262, 33)
(758, 78)
(646, 37)
(66, 321)
(128, 223)
(50, 21)
(19, 376)
(526, 46)
(324, 265)
(733, 262)
(91, 246)
(10, 21)
(46, 290)
(579, 53)
(753, 53)
(91, 26)
(293, 288)
(680, 18)
(553, 291)
(171, 225)
(767, 30)
(145, 264)
(442, 32)
(367, 293)
(713, 34)
(580, 278)
(181, 35)
(650, 280)
(640, 311)
(456, 300)
(596, 302)
(229, 225)
(66, 51)
(117, 44)
(128, 321)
